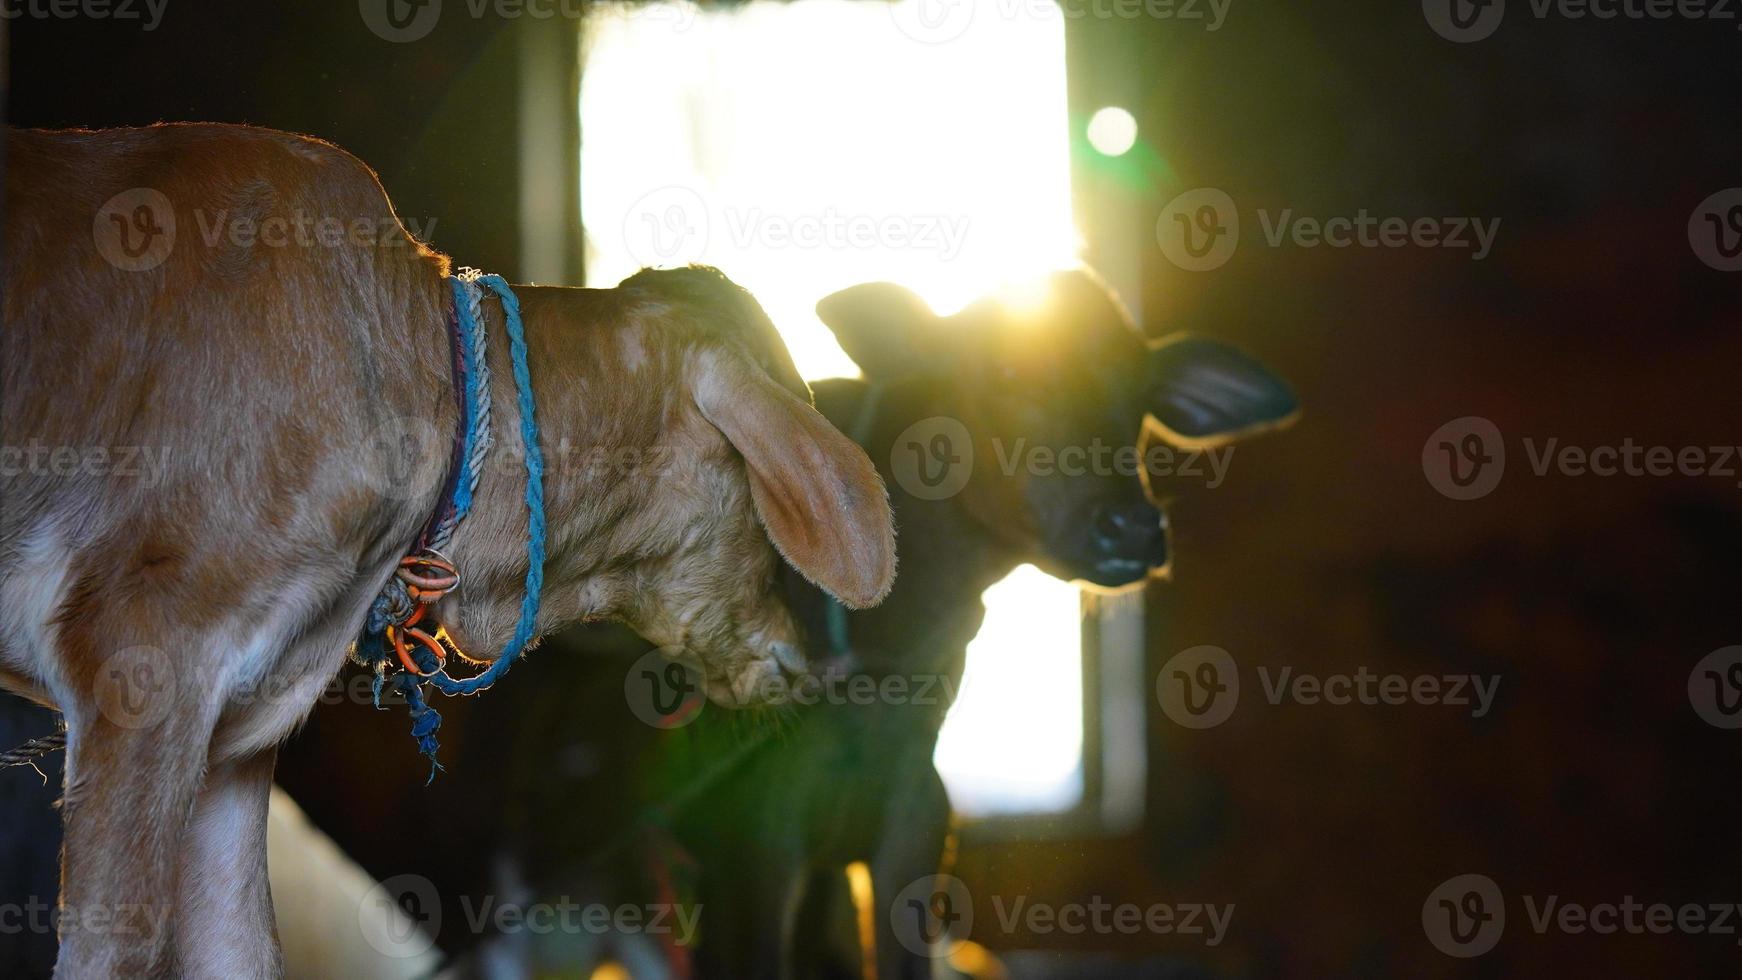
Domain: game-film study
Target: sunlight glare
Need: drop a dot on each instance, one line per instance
(1112, 131)
(945, 168)
(1014, 740)
(755, 139)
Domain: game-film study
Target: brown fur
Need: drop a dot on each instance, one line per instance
(185, 626)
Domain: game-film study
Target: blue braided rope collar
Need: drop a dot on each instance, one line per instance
(394, 605)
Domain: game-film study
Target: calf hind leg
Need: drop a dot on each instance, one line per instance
(136, 755)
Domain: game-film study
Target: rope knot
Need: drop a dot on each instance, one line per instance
(426, 575)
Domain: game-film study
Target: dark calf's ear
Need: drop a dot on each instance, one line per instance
(817, 494)
(886, 329)
(1203, 392)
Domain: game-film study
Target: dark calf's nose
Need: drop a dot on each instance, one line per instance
(1132, 531)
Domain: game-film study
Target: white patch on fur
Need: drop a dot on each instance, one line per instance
(29, 595)
(634, 354)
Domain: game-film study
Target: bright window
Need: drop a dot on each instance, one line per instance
(804, 147)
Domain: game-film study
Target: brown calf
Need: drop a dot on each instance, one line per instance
(243, 308)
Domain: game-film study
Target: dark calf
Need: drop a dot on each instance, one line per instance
(1056, 398)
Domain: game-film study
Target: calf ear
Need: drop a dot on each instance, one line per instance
(886, 329)
(1204, 393)
(817, 494)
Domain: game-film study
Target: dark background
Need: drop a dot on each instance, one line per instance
(1591, 322)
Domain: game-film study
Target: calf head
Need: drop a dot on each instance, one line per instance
(1062, 397)
(683, 460)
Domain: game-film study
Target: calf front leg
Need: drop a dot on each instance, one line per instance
(914, 843)
(748, 912)
(224, 922)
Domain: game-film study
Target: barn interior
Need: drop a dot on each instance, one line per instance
(1370, 664)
